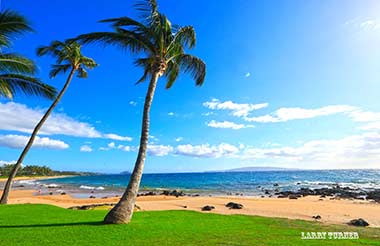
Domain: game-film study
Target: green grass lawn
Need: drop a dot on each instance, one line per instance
(49, 225)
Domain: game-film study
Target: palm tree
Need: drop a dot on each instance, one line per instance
(69, 58)
(164, 47)
(16, 71)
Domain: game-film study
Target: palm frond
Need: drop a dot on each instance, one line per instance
(185, 36)
(12, 25)
(193, 65)
(15, 63)
(172, 74)
(117, 39)
(125, 21)
(146, 64)
(12, 83)
(148, 9)
(82, 73)
(55, 49)
(88, 62)
(59, 69)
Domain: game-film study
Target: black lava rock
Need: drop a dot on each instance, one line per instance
(317, 217)
(208, 208)
(358, 222)
(233, 205)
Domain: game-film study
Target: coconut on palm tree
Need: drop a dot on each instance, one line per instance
(163, 45)
(69, 58)
(16, 71)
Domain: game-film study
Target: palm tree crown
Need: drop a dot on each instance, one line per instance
(162, 42)
(16, 71)
(68, 56)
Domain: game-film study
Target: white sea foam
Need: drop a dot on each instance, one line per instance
(87, 187)
(27, 182)
(91, 187)
(53, 186)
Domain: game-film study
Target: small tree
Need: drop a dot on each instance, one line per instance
(69, 58)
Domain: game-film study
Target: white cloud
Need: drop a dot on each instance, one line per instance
(373, 126)
(364, 24)
(112, 145)
(238, 109)
(287, 114)
(370, 25)
(117, 137)
(247, 75)
(171, 113)
(179, 139)
(19, 141)
(208, 113)
(364, 116)
(124, 148)
(159, 150)
(133, 103)
(207, 151)
(153, 139)
(227, 124)
(85, 148)
(18, 117)
(358, 151)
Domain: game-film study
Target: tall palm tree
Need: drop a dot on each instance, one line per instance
(69, 58)
(16, 71)
(164, 47)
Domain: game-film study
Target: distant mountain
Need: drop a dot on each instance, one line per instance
(125, 172)
(257, 169)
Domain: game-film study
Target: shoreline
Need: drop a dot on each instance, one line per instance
(331, 211)
(24, 178)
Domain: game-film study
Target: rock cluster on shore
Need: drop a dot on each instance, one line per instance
(176, 193)
(335, 192)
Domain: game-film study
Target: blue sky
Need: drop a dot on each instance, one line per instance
(289, 83)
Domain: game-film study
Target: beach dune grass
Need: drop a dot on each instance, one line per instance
(50, 225)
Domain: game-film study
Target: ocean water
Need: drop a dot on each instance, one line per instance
(248, 183)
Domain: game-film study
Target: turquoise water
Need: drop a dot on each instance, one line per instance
(249, 183)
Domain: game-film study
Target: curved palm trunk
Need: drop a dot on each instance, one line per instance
(123, 210)
(8, 185)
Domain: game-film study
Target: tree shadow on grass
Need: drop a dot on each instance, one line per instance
(95, 223)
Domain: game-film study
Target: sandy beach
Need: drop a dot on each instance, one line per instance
(331, 211)
(36, 177)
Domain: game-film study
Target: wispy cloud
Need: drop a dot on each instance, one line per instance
(19, 141)
(247, 75)
(352, 151)
(117, 137)
(207, 151)
(85, 148)
(227, 125)
(159, 150)
(18, 117)
(112, 145)
(365, 24)
(179, 139)
(287, 114)
(237, 109)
